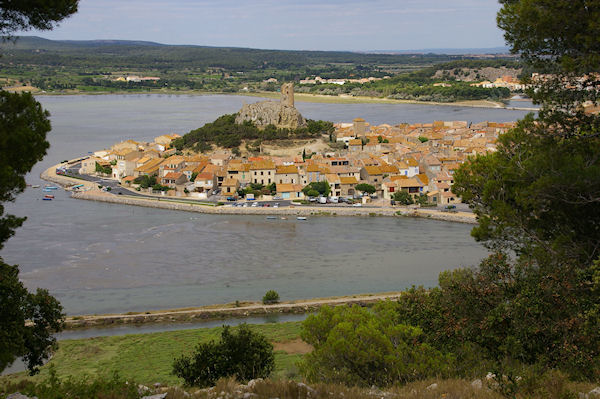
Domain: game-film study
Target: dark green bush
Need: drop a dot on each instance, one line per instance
(270, 297)
(114, 387)
(244, 355)
(359, 346)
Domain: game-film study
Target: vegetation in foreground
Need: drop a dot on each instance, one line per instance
(551, 385)
(148, 358)
(242, 354)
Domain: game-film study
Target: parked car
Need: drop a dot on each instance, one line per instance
(254, 204)
(276, 205)
(357, 204)
(231, 199)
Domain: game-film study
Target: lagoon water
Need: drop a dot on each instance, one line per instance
(99, 258)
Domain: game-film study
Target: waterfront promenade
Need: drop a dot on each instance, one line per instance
(92, 193)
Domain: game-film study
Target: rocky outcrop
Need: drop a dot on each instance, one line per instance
(282, 114)
(271, 113)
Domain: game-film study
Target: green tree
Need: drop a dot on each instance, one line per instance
(145, 181)
(107, 170)
(312, 193)
(358, 346)
(23, 128)
(560, 34)
(271, 297)
(321, 187)
(403, 197)
(365, 188)
(244, 355)
(34, 14)
(537, 197)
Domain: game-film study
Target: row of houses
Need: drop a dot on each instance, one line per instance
(417, 158)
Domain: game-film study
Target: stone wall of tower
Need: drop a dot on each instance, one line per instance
(287, 94)
(359, 127)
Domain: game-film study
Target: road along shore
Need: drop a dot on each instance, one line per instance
(93, 194)
(213, 312)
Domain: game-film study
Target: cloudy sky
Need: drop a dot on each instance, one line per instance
(360, 25)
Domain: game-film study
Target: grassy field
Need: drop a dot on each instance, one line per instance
(147, 358)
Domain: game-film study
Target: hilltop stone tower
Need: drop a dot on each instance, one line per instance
(282, 114)
(359, 126)
(287, 94)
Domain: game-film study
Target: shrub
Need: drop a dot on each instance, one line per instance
(270, 297)
(245, 355)
(403, 198)
(53, 387)
(358, 346)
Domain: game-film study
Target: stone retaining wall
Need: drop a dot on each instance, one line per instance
(168, 203)
(285, 211)
(212, 314)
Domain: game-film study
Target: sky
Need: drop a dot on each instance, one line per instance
(354, 25)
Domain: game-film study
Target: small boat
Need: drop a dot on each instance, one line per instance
(50, 188)
(35, 186)
(49, 196)
(301, 218)
(271, 217)
(47, 199)
(283, 218)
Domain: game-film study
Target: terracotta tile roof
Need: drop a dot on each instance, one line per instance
(348, 180)
(289, 169)
(238, 167)
(266, 164)
(205, 176)
(373, 170)
(288, 188)
(173, 175)
(232, 182)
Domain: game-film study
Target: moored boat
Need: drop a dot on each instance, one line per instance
(49, 196)
(301, 218)
(47, 199)
(50, 188)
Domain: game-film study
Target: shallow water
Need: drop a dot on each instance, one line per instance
(99, 258)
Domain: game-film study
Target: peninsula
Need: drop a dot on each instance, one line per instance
(268, 159)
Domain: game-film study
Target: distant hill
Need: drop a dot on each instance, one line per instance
(135, 54)
(448, 51)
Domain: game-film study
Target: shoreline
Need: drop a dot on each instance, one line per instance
(233, 310)
(304, 97)
(93, 194)
(220, 312)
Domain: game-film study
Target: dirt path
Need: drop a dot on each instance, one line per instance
(221, 311)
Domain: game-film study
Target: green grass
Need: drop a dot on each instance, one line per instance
(147, 358)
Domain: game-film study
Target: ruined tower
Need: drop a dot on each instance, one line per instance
(287, 94)
(360, 127)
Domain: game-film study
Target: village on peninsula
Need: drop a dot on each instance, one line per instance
(356, 163)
